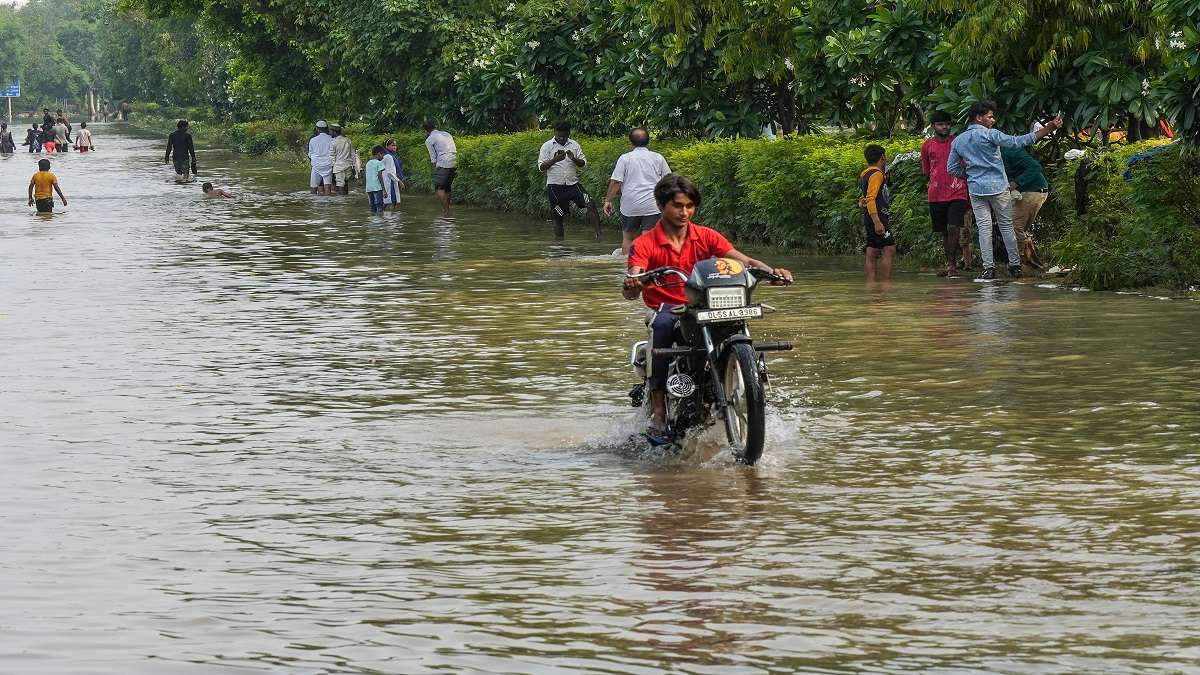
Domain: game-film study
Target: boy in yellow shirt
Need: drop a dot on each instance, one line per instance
(42, 187)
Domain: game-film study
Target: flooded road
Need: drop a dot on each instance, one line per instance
(279, 434)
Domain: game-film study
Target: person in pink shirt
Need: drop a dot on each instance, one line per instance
(949, 205)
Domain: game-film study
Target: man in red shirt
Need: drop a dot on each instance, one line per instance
(675, 241)
(948, 201)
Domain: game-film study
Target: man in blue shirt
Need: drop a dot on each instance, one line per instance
(975, 155)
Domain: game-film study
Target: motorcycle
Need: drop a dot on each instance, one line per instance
(715, 369)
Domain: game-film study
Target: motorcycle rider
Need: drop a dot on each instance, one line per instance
(675, 241)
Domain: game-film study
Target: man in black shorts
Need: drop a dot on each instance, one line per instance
(948, 201)
(443, 154)
(560, 158)
(875, 200)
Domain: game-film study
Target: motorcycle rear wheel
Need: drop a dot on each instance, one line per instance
(745, 410)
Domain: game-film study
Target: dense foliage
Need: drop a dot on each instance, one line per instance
(1142, 225)
(83, 53)
(716, 68)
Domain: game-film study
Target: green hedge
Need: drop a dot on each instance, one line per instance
(797, 191)
(801, 192)
(1142, 231)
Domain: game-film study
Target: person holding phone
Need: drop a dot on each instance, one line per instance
(975, 155)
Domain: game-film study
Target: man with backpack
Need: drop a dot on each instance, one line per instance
(875, 199)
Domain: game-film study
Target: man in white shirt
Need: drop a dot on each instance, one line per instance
(560, 158)
(83, 139)
(343, 157)
(444, 156)
(636, 174)
(319, 153)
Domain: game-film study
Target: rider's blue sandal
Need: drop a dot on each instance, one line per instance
(658, 435)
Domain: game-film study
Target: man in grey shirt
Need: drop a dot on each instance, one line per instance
(444, 156)
(634, 176)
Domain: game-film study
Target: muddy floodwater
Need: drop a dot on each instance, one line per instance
(278, 434)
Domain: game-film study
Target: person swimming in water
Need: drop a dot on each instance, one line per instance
(211, 192)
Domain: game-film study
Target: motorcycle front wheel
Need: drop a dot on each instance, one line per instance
(745, 409)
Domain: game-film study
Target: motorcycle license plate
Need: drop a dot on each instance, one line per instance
(734, 314)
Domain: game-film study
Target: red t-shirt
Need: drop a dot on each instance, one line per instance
(652, 250)
(942, 186)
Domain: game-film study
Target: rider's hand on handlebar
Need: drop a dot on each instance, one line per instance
(781, 272)
(631, 288)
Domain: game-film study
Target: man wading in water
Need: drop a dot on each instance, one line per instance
(675, 241)
(443, 154)
(179, 144)
(560, 158)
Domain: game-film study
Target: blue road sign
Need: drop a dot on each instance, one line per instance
(13, 90)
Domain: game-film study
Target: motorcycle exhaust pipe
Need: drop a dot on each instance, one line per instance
(780, 346)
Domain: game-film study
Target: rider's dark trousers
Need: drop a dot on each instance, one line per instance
(663, 328)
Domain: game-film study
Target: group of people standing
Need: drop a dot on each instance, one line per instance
(982, 175)
(335, 162)
(53, 136)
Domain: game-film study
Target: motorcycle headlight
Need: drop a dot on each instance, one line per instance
(726, 297)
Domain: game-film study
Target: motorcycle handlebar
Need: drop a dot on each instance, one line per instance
(658, 273)
(761, 273)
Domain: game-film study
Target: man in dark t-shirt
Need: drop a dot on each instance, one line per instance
(180, 144)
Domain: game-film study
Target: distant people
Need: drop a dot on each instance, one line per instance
(875, 199)
(211, 192)
(33, 138)
(560, 159)
(7, 145)
(47, 118)
(345, 159)
(66, 119)
(373, 181)
(321, 157)
(1027, 180)
(179, 150)
(83, 140)
(634, 177)
(62, 135)
(975, 155)
(947, 194)
(443, 153)
(393, 175)
(42, 187)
